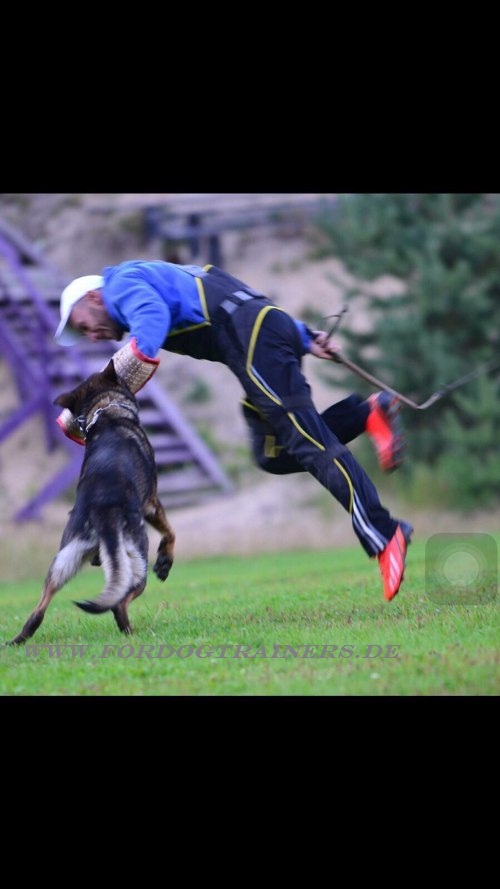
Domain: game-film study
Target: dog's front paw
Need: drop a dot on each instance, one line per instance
(162, 566)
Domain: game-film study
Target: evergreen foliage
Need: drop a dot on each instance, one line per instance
(445, 248)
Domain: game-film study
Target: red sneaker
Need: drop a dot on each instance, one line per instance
(385, 428)
(392, 560)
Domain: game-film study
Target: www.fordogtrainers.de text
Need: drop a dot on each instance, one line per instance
(231, 650)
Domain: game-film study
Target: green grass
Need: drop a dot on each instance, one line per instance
(295, 599)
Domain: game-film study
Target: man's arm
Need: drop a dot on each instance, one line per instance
(134, 366)
(140, 309)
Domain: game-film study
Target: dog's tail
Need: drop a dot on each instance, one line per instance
(124, 562)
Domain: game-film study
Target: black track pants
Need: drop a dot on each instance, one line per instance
(346, 419)
(261, 345)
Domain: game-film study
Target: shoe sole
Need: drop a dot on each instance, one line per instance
(407, 531)
(391, 407)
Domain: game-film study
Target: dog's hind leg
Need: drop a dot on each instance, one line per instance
(155, 515)
(121, 610)
(50, 588)
(67, 562)
(137, 553)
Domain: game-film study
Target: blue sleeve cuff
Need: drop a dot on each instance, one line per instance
(306, 336)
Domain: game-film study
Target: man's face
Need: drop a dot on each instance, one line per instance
(90, 318)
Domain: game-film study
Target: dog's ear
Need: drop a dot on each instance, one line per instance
(67, 399)
(109, 372)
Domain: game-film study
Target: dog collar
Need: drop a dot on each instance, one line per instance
(81, 420)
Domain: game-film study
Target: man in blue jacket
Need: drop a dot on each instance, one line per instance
(207, 313)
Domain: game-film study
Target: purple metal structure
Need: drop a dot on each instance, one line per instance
(29, 312)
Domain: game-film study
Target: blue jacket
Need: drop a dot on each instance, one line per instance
(155, 299)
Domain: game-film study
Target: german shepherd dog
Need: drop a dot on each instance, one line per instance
(116, 492)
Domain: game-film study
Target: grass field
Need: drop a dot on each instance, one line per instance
(222, 626)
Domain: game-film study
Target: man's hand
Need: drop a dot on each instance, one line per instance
(324, 347)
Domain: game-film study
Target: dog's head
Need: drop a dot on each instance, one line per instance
(97, 391)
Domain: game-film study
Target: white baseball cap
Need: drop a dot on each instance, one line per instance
(70, 295)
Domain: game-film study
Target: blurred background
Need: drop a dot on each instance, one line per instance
(419, 275)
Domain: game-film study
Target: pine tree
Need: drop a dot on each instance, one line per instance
(445, 248)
